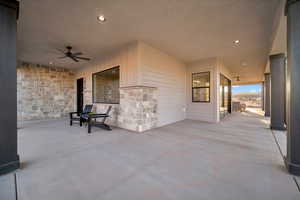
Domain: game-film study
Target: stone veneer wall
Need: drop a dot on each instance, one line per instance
(44, 92)
(138, 108)
(100, 107)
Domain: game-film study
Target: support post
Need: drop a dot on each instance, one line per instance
(9, 159)
(263, 96)
(277, 67)
(267, 95)
(293, 83)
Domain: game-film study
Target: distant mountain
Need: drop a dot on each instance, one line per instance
(247, 94)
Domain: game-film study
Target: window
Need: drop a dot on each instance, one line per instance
(106, 86)
(201, 87)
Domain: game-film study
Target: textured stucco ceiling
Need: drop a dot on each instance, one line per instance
(189, 29)
(280, 41)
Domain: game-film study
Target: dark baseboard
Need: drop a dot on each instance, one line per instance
(9, 167)
(293, 168)
(281, 128)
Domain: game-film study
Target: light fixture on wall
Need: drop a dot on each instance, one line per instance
(50, 63)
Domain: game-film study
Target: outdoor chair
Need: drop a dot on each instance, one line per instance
(91, 120)
(80, 116)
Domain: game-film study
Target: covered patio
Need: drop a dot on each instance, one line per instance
(235, 159)
(160, 74)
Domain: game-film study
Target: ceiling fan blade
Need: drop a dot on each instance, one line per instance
(62, 57)
(82, 58)
(61, 51)
(77, 54)
(73, 58)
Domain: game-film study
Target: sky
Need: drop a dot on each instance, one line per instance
(246, 88)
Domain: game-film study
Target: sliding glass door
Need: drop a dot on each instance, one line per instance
(225, 96)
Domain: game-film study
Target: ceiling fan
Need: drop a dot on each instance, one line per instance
(74, 56)
(237, 78)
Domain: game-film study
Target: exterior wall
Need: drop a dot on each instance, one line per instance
(167, 74)
(155, 89)
(44, 92)
(127, 59)
(138, 108)
(199, 110)
(142, 65)
(221, 69)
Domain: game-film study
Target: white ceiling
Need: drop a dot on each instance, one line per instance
(280, 42)
(188, 29)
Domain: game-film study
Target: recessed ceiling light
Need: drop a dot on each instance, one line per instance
(101, 18)
(236, 42)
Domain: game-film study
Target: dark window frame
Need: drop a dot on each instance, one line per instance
(205, 87)
(93, 99)
(222, 97)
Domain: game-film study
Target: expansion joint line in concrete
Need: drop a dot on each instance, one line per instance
(284, 160)
(16, 186)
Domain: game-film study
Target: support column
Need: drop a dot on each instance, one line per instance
(9, 159)
(267, 95)
(140, 103)
(277, 67)
(293, 83)
(263, 95)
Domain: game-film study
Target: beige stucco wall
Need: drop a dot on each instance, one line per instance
(168, 75)
(199, 110)
(144, 65)
(127, 59)
(206, 111)
(223, 69)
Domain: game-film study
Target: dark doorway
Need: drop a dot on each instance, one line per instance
(79, 95)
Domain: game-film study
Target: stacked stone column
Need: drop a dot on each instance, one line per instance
(138, 108)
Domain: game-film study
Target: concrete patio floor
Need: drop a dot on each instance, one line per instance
(235, 159)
